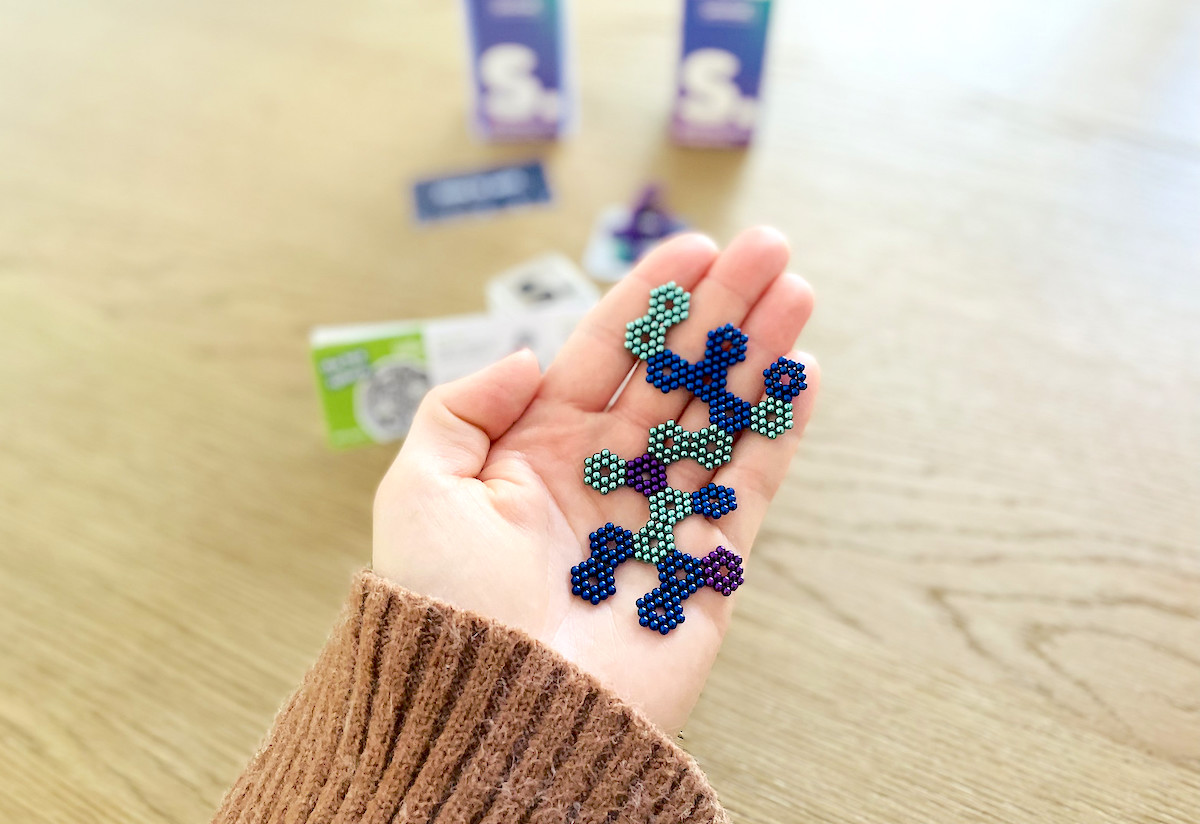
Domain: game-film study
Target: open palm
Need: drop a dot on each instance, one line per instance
(485, 506)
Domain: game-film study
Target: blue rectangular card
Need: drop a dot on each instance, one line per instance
(487, 190)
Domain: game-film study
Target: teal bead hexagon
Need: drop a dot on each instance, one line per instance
(771, 417)
(604, 472)
(645, 337)
(670, 506)
(653, 542)
(711, 447)
(669, 442)
(669, 304)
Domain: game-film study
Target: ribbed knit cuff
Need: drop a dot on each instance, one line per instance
(420, 712)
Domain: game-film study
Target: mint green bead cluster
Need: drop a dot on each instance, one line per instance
(647, 335)
(710, 447)
(604, 471)
(771, 417)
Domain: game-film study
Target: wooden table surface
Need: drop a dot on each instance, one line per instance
(977, 597)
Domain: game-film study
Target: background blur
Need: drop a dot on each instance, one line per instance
(978, 595)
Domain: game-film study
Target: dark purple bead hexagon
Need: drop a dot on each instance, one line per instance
(646, 474)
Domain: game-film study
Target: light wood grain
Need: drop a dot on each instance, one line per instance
(978, 595)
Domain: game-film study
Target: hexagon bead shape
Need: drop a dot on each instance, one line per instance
(604, 472)
(669, 304)
(726, 346)
(668, 442)
(612, 539)
(680, 574)
(714, 501)
(706, 380)
(670, 506)
(667, 371)
(729, 412)
(711, 447)
(652, 542)
(726, 581)
(645, 337)
(594, 579)
(646, 474)
(660, 611)
(784, 379)
(771, 417)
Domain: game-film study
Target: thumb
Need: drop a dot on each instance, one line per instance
(456, 422)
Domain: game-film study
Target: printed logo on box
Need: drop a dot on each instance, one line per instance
(720, 71)
(519, 75)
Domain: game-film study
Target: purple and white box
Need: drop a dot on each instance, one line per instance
(519, 72)
(720, 71)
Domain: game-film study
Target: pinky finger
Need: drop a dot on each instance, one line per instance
(760, 464)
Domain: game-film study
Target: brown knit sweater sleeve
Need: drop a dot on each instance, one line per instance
(420, 712)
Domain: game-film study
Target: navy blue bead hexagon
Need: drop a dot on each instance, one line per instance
(595, 578)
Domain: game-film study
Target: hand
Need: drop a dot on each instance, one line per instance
(485, 506)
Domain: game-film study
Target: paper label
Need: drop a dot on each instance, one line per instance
(477, 192)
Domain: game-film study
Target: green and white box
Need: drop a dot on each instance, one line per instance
(371, 377)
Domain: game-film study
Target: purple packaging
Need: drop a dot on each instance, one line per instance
(720, 71)
(519, 72)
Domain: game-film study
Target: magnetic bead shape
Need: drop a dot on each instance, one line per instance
(771, 417)
(669, 304)
(669, 442)
(613, 540)
(706, 380)
(722, 570)
(714, 501)
(667, 371)
(670, 506)
(594, 579)
(726, 346)
(604, 472)
(646, 474)
(784, 379)
(645, 337)
(652, 542)
(660, 611)
(711, 447)
(680, 574)
(729, 412)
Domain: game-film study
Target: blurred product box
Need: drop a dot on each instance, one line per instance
(720, 71)
(520, 78)
(372, 376)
